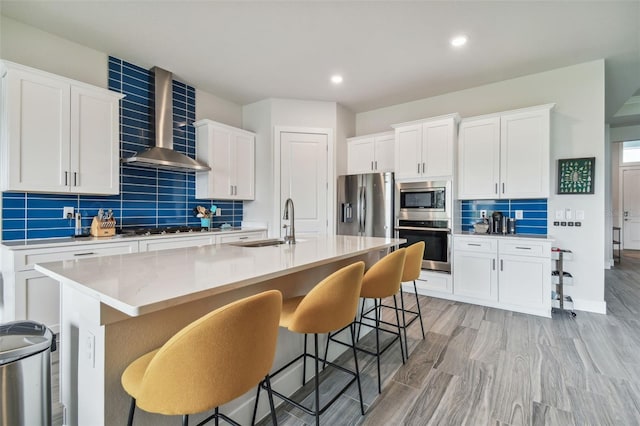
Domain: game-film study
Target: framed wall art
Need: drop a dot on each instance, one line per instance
(576, 175)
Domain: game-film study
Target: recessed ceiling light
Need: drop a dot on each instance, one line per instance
(336, 79)
(459, 41)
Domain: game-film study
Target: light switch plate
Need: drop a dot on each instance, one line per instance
(519, 214)
(218, 211)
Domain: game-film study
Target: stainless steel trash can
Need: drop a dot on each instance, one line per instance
(25, 373)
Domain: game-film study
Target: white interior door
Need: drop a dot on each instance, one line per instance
(631, 209)
(303, 178)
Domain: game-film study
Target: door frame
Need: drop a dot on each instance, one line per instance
(621, 170)
(331, 178)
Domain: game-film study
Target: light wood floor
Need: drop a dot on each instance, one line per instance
(481, 366)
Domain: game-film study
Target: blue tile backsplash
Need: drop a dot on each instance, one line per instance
(148, 197)
(534, 213)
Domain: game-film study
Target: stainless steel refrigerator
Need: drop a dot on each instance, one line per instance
(365, 205)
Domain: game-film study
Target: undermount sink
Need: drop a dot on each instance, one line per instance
(260, 243)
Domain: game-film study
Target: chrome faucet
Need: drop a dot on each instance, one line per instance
(289, 238)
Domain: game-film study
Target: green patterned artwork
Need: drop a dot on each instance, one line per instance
(575, 175)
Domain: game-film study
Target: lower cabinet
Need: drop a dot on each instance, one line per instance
(508, 273)
(29, 295)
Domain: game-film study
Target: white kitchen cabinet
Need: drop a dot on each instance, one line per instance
(371, 153)
(426, 148)
(60, 135)
(507, 273)
(29, 295)
(505, 155)
(433, 281)
(474, 269)
(230, 152)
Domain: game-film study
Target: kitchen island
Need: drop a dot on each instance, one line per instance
(116, 308)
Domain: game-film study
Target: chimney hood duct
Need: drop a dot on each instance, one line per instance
(162, 156)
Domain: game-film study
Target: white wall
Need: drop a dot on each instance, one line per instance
(262, 118)
(626, 133)
(345, 128)
(577, 131)
(38, 49)
(217, 109)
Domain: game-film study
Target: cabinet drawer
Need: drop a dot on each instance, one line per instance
(483, 245)
(25, 259)
(525, 248)
(244, 236)
(174, 243)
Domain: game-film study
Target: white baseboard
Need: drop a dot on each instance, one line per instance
(598, 307)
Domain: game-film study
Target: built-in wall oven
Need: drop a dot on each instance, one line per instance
(423, 213)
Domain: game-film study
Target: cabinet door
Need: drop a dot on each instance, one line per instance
(244, 158)
(384, 149)
(38, 299)
(214, 148)
(37, 150)
(360, 156)
(479, 159)
(437, 148)
(525, 281)
(475, 275)
(524, 164)
(408, 158)
(95, 165)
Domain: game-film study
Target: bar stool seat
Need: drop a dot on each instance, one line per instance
(331, 305)
(210, 362)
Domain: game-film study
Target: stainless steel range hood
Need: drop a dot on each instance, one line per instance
(162, 156)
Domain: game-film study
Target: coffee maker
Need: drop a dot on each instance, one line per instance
(496, 223)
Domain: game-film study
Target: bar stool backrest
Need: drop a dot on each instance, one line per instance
(413, 262)
(215, 359)
(332, 304)
(384, 278)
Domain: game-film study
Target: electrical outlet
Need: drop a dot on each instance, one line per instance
(218, 211)
(67, 213)
(519, 214)
(483, 214)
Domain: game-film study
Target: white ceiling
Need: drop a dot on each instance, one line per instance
(388, 51)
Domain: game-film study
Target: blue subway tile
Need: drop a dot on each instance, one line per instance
(49, 233)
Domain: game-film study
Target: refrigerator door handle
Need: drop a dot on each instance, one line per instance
(360, 209)
(364, 210)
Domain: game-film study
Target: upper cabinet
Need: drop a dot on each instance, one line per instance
(505, 155)
(230, 152)
(426, 148)
(59, 135)
(371, 153)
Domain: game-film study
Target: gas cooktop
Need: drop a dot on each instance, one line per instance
(136, 232)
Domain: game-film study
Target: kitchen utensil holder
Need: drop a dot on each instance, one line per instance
(103, 228)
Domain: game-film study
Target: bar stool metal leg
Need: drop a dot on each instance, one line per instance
(355, 360)
(132, 409)
(395, 304)
(415, 289)
(404, 322)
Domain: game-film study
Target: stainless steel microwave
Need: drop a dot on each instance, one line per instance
(424, 197)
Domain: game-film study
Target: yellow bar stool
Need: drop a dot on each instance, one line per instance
(331, 305)
(381, 280)
(210, 362)
(411, 272)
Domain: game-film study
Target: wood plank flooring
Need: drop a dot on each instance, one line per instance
(484, 366)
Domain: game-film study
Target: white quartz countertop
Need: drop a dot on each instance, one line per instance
(140, 283)
(73, 241)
